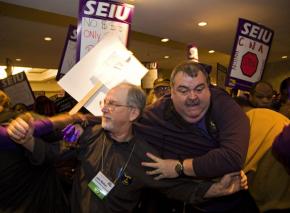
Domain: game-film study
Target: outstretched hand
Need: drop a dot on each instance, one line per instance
(163, 168)
(72, 132)
(234, 182)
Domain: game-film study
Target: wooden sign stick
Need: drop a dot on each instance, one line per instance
(85, 99)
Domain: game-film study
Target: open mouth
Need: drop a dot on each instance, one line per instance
(192, 104)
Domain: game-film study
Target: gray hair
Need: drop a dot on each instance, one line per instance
(190, 68)
(136, 96)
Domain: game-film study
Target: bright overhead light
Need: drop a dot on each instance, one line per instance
(3, 73)
(166, 56)
(47, 38)
(211, 51)
(202, 24)
(165, 40)
(18, 59)
(15, 70)
(284, 57)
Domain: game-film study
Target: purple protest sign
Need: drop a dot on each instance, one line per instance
(99, 17)
(250, 53)
(68, 58)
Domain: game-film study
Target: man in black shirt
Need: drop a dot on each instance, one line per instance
(109, 176)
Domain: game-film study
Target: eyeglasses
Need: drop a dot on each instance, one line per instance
(161, 89)
(111, 106)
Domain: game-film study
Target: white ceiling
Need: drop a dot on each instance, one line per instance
(22, 32)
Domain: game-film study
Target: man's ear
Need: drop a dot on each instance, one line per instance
(134, 113)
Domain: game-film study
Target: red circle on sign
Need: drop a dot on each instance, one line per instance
(249, 64)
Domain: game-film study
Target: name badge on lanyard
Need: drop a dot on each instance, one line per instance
(101, 185)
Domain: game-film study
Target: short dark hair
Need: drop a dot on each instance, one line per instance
(284, 90)
(191, 68)
(161, 82)
(253, 88)
(285, 84)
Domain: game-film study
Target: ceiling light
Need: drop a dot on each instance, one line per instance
(166, 56)
(165, 40)
(15, 70)
(20, 69)
(3, 73)
(18, 59)
(211, 51)
(202, 24)
(284, 57)
(47, 38)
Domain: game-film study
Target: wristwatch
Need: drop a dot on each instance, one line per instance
(179, 168)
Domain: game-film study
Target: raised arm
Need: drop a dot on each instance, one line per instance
(21, 132)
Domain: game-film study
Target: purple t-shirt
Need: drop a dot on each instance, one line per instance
(281, 147)
(41, 127)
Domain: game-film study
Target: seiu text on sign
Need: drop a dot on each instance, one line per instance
(11, 80)
(257, 32)
(109, 10)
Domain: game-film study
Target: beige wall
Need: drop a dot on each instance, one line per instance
(50, 87)
(276, 72)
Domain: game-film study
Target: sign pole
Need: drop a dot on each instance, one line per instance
(85, 99)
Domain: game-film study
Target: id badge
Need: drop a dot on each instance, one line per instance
(101, 185)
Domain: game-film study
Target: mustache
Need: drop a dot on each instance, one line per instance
(192, 102)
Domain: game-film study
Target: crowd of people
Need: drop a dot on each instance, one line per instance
(190, 148)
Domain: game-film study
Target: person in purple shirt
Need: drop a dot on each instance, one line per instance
(281, 148)
(42, 125)
(25, 185)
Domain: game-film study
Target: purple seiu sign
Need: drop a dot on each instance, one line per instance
(97, 18)
(250, 53)
(68, 58)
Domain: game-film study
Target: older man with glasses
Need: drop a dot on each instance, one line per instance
(110, 177)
